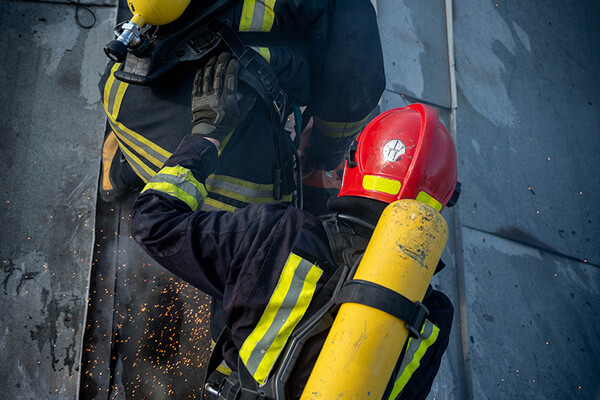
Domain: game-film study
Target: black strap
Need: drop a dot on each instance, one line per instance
(384, 299)
(216, 357)
(256, 71)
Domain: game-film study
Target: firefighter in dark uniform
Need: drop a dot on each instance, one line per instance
(271, 259)
(326, 55)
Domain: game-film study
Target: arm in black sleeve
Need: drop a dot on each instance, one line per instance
(167, 222)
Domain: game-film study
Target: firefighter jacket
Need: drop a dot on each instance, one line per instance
(265, 263)
(338, 71)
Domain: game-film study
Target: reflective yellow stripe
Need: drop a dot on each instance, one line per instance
(258, 16)
(119, 129)
(109, 83)
(415, 351)
(112, 105)
(184, 175)
(174, 191)
(241, 190)
(180, 183)
(215, 205)
(427, 199)
(379, 184)
(223, 367)
(339, 129)
(242, 183)
(142, 170)
(119, 99)
(224, 142)
(122, 130)
(293, 293)
(265, 53)
(269, 17)
(247, 13)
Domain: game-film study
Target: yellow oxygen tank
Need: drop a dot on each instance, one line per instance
(364, 344)
(156, 12)
(151, 12)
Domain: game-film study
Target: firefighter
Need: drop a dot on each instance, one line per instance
(269, 260)
(326, 55)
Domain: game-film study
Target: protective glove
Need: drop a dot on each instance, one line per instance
(217, 105)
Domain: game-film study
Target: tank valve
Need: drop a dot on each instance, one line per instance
(128, 36)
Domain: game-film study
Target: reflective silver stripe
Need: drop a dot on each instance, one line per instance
(209, 207)
(246, 192)
(412, 358)
(142, 170)
(287, 305)
(112, 95)
(180, 183)
(258, 16)
(142, 148)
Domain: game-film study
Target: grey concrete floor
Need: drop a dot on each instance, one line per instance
(517, 84)
(50, 163)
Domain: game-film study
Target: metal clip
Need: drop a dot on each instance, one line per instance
(415, 326)
(213, 389)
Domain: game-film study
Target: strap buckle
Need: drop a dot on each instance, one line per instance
(280, 105)
(416, 324)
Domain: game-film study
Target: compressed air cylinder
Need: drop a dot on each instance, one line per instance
(156, 12)
(364, 343)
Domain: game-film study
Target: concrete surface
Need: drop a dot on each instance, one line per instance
(532, 321)
(528, 118)
(526, 236)
(49, 161)
(413, 38)
(147, 336)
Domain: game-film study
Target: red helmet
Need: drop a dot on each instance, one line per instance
(404, 153)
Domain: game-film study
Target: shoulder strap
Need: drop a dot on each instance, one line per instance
(216, 356)
(256, 71)
(346, 245)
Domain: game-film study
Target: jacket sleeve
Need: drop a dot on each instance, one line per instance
(441, 313)
(167, 221)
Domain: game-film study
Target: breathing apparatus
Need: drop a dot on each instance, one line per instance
(149, 44)
(157, 12)
(165, 33)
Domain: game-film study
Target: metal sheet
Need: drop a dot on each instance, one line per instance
(49, 160)
(449, 384)
(148, 332)
(413, 38)
(528, 114)
(532, 321)
(391, 99)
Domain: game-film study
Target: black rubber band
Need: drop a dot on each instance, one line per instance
(384, 299)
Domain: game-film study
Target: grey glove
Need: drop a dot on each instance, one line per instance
(217, 106)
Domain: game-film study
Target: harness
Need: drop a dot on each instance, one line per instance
(347, 247)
